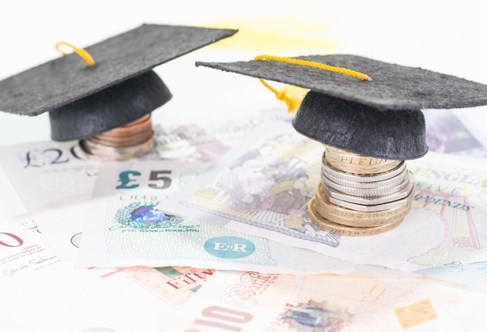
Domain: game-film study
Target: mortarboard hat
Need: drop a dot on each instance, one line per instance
(121, 87)
(368, 115)
(380, 117)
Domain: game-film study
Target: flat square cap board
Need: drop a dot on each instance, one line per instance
(381, 117)
(393, 87)
(67, 79)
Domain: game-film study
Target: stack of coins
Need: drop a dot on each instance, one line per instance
(130, 141)
(359, 195)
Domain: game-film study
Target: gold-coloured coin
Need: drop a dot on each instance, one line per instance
(353, 163)
(344, 216)
(354, 214)
(338, 229)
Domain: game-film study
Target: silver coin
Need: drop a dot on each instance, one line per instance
(382, 190)
(371, 200)
(373, 208)
(382, 185)
(331, 172)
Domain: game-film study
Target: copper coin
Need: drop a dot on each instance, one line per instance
(104, 153)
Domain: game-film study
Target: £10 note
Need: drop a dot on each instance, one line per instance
(249, 301)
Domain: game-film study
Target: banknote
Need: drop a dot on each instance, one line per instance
(11, 204)
(46, 293)
(468, 274)
(54, 180)
(49, 178)
(446, 132)
(264, 188)
(172, 284)
(62, 226)
(125, 227)
(471, 274)
(47, 173)
(249, 301)
(22, 248)
(193, 142)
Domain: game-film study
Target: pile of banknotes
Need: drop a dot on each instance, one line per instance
(211, 231)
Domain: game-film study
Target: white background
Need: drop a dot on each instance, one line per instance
(446, 36)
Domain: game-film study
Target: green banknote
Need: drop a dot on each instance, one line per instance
(125, 226)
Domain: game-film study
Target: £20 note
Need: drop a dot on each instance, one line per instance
(264, 187)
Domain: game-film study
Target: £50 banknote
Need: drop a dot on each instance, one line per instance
(263, 187)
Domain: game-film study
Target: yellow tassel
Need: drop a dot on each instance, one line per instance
(80, 51)
(293, 96)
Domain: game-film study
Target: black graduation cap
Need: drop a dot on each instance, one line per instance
(380, 117)
(121, 87)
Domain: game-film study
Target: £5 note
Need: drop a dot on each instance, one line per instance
(125, 226)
